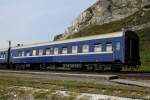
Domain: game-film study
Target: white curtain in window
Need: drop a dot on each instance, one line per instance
(41, 52)
(48, 52)
(109, 47)
(74, 49)
(55, 51)
(64, 51)
(27, 53)
(34, 52)
(98, 48)
(85, 48)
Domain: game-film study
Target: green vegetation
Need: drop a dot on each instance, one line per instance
(144, 49)
(14, 86)
(138, 18)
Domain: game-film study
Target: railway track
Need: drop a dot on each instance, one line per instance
(123, 74)
(125, 78)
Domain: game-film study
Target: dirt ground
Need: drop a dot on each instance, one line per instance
(17, 84)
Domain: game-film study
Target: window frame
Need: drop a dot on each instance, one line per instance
(28, 53)
(118, 46)
(85, 50)
(19, 53)
(56, 51)
(47, 51)
(41, 52)
(109, 44)
(100, 49)
(64, 50)
(4, 56)
(22, 53)
(34, 52)
(74, 51)
(1, 55)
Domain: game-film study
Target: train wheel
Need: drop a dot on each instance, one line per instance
(84, 67)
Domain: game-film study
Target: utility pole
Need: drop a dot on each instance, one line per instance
(9, 54)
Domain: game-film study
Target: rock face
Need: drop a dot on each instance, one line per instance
(104, 11)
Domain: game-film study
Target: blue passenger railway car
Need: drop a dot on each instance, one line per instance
(99, 52)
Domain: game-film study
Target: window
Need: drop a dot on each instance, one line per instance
(118, 45)
(64, 50)
(11, 55)
(27, 53)
(22, 54)
(55, 51)
(98, 48)
(1, 56)
(109, 47)
(19, 53)
(74, 49)
(4, 55)
(34, 53)
(85, 48)
(48, 51)
(41, 52)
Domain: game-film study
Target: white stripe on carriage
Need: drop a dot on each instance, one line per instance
(65, 54)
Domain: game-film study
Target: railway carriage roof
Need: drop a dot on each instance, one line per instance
(101, 36)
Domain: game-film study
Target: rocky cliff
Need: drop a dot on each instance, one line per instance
(106, 11)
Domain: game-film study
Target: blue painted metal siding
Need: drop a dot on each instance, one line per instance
(84, 58)
(43, 59)
(2, 61)
(119, 55)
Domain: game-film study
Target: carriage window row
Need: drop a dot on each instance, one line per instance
(48, 51)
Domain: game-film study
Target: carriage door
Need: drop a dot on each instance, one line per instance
(134, 51)
(117, 51)
(131, 50)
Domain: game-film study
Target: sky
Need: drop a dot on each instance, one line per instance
(31, 21)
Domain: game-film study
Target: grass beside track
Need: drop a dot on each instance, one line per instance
(7, 92)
